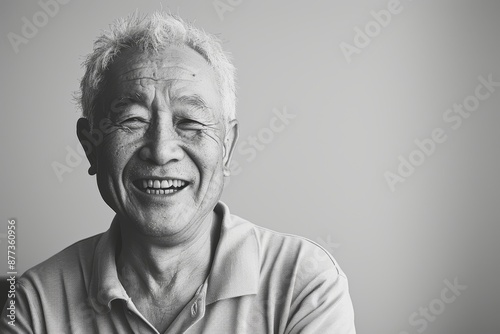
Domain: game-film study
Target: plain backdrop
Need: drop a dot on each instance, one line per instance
(323, 175)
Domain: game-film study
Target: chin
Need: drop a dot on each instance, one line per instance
(161, 225)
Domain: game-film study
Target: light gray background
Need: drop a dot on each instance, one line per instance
(323, 176)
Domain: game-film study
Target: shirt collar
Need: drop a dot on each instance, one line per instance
(104, 283)
(235, 268)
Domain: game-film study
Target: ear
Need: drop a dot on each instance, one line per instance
(87, 142)
(230, 140)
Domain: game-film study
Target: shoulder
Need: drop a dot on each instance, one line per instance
(311, 286)
(72, 264)
(301, 281)
(290, 254)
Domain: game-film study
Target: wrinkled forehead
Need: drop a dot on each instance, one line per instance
(172, 76)
(158, 65)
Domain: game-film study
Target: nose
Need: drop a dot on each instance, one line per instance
(162, 143)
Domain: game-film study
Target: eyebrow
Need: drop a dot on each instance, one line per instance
(129, 96)
(122, 99)
(194, 101)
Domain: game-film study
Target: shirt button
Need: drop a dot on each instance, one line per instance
(194, 309)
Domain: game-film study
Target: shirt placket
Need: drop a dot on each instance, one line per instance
(136, 321)
(191, 313)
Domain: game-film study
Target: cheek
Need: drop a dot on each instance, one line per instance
(210, 164)
(207, 151)
(206, 140)
(115, 151)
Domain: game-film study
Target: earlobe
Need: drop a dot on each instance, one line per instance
(83, 131)
(92, 170)
(230, 140)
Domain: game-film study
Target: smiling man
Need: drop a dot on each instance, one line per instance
(159, 129)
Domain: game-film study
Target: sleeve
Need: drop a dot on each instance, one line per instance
(18, 314)
(321, 302)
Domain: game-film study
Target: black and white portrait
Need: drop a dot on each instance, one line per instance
(227, 166)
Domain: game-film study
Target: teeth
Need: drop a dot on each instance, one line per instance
(162, 186)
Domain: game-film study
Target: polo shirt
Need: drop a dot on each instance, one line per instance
(260, 281)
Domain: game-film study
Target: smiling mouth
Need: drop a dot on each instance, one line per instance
(160, 187)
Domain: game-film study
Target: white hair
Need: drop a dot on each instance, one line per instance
(154, 33)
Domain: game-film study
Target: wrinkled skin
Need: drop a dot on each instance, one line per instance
(164, 121)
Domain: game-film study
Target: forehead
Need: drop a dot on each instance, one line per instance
(174, 67)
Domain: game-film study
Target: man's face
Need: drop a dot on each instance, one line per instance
(161, 165)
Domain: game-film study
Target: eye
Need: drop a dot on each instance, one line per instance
(189, 124)
(134, 122)
(133, 119)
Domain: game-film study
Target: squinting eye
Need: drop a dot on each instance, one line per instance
(190, 125)
(133, 120)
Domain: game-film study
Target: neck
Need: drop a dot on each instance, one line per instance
(158, 267)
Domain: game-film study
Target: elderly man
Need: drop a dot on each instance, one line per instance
(159, 129)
